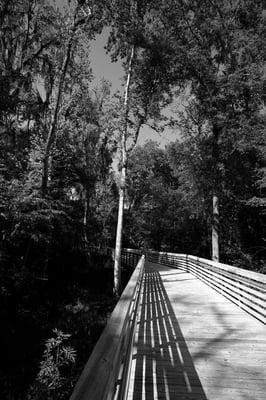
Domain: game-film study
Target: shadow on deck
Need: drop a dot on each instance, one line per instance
(164, 368)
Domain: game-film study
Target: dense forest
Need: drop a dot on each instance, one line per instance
(74, 183)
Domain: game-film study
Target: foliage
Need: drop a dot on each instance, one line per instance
(209, 57)
(219, 57)
(43, 239)
(168, 205)
(158, 213)
(53, 375)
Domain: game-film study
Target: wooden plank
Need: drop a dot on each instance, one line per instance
(192, 343)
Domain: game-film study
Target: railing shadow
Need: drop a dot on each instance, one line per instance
(164, 366)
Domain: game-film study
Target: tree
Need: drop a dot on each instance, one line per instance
(80, 17)
(84, 149)
(218, 45)
(152, 198)
(30, 87)
(132, 38)
(162, 213)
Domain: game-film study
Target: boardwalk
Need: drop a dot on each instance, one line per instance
(192, 343)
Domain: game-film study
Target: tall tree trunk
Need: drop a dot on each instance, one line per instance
(215, 199)
(122, 183)
(215, 228)
(119, 230)
(85, 217)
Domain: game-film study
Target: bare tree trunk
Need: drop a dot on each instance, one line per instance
(85, 218)
(122, 183)
(119, 230)
(215, 228)
(215, 199)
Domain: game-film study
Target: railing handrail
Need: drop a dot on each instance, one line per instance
(134, 251)
(98, 380)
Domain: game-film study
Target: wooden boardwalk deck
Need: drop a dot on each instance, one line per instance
(192, 343)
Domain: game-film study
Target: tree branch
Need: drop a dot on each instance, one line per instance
(42, 47)
(136, 133)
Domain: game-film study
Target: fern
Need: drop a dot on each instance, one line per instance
(51, 381)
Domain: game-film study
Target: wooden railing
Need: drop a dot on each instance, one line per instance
(106, 374)
(245, 288)
(130, 257)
